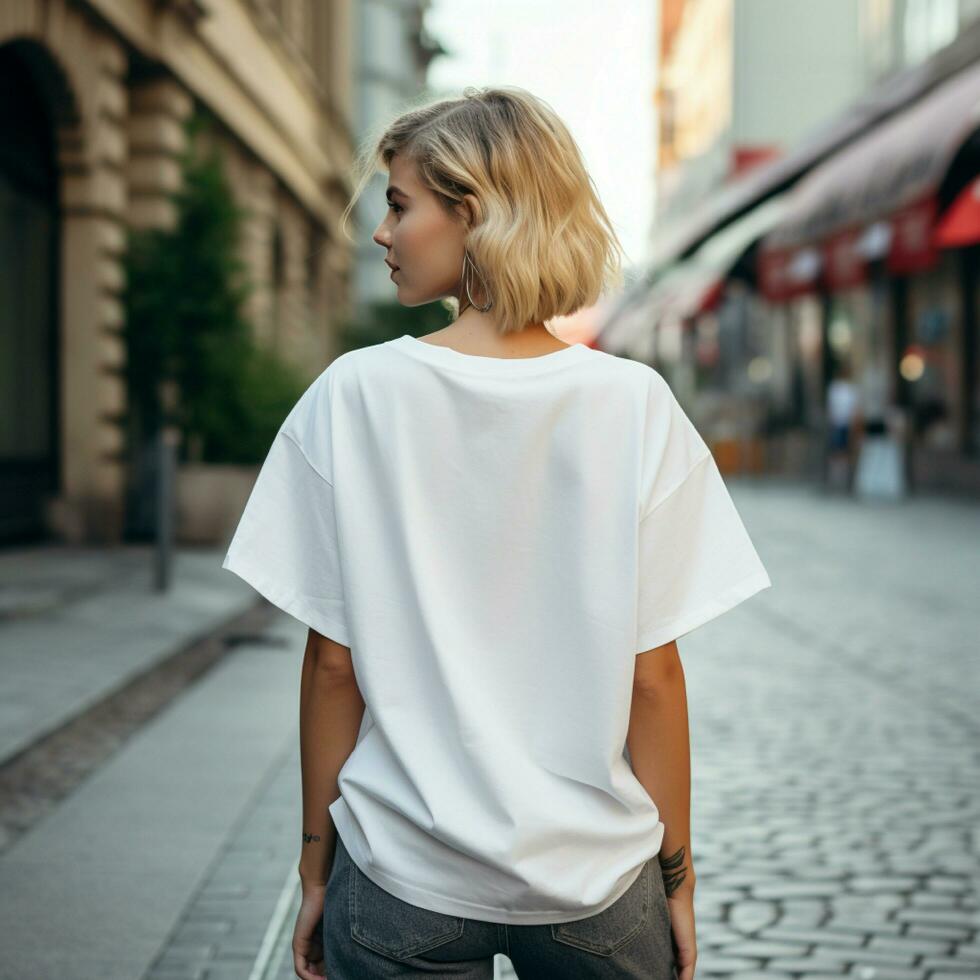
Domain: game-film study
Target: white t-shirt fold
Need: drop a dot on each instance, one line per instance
(286, 545)
(696, 559)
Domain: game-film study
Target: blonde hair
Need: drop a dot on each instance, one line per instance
(543, 243)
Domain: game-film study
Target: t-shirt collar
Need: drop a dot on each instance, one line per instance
(481, 364)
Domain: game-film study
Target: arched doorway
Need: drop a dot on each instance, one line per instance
(29, 237)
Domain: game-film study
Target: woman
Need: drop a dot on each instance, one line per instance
(495, 539)
(844, 418)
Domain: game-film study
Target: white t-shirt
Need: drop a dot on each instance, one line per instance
(495, 539)
(842, 401)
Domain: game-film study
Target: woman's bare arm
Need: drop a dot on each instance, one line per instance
(330, 712)
(659, 747)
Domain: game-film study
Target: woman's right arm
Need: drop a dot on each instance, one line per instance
(660, 752)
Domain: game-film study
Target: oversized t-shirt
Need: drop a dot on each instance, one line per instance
(494, 539)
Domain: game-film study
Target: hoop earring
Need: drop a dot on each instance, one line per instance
(466, 283)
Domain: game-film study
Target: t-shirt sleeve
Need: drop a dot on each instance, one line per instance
(286, 543)
(696, 559)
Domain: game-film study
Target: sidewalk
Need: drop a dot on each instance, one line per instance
(77, 623)
(95, 888)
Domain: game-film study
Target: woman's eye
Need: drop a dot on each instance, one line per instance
(397, 208)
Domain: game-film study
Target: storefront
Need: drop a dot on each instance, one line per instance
(697, 324)
(959, 232)
(862, 240)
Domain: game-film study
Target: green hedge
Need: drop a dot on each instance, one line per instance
(184, 300)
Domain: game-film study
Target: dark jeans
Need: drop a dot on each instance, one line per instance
(368, 933)
(840, 437)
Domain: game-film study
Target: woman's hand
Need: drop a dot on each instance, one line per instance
(308, 959)
(681, 906)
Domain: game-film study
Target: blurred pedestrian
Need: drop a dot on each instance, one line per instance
(495, 539)
(879, 468)
(843, 418)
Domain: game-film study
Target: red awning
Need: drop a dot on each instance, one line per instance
(961, 223)
(896, 165)
(698, 291)
(890, 175)
(913, 247)
(785, 274)
(845, 266)
(689, 288)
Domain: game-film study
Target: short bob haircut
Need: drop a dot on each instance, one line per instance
(543, 244)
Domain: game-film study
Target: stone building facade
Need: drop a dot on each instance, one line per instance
(89, 147)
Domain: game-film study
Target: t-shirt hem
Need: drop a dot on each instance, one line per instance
(677, 627)
(289, 602)
(468, 910)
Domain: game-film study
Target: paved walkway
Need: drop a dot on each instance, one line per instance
(77, 623)
(836, 794)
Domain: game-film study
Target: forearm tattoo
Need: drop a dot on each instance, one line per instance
(674, 871)
(307, 838)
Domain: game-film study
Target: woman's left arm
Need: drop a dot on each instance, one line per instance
(330, 713)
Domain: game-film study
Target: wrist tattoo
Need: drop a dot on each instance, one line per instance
(307, 838)
(674, 871)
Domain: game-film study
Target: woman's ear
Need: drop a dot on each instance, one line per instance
(472, 214)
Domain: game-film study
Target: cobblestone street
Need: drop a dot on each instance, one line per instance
(836, 810)
(835, 756)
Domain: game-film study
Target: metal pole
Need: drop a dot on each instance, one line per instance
(168, 438)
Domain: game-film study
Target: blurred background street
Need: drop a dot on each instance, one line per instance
(797, 189)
